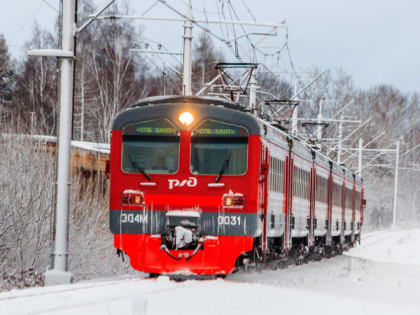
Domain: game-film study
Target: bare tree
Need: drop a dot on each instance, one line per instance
(109, 77)
(6, 83)
(205, 58)
(36, 85)
(27, 176)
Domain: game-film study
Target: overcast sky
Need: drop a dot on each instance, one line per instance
(377, 41)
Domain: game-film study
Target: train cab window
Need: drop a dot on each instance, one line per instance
(151, 147)
(219, 147)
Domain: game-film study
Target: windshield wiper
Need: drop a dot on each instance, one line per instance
(224, 166)
(138, 168)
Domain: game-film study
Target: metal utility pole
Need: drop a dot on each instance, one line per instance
(295, 111)
(253, 93)
(340, 140)
(59, 274)
(397, 162)
(82, 114)
(319, 132)
(186, 78)
(359, 164)
(32, 122)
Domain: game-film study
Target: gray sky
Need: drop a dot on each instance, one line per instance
(377, 41)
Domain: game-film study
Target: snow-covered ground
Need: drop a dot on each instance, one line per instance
(382, 276)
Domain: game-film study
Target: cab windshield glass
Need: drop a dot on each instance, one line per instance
(150, 147)
(219, 148)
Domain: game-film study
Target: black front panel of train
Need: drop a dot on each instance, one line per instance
(211, 223)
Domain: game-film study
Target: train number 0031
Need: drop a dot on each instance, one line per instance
(229, 220)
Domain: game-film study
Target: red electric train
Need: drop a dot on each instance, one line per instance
(200, 186)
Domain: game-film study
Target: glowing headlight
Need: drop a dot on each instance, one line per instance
(233, 201)
(186, 118)
(132, 198)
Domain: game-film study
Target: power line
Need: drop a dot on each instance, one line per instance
(56, 10)
(27, 20)
(249, 11)
(149, 8)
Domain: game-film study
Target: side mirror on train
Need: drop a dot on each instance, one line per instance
(364, 202)
(264, 169)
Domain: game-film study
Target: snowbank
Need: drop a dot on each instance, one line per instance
(395, 246)
(380, 277)
(119, 297)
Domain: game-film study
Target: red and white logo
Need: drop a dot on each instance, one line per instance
(190, 182)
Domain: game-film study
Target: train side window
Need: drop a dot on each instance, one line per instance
(321, 189)
(275, 174)
(281, 175)
(270, 187)
(273, 168)
(307, 190)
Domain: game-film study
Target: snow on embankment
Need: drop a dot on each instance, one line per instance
(380, 277)
(111, 297)
(395, 246)
(227, 297)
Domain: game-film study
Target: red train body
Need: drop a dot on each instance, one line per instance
(219, 188)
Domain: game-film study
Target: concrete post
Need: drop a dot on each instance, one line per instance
(187, 72)
(59, 273)
(397, 162)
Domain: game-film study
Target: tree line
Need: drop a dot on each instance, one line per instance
(110, 77)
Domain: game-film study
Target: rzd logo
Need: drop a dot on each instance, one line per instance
(190, 182)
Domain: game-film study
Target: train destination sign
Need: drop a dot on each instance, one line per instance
(219, 129)
(160, 127)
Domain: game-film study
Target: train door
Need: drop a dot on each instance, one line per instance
(362, 206)
(330, 182)
(287, 239)
(353, 211)
(343, 211)
(312, 196)
(265, 160)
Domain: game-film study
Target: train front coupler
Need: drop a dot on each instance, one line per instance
(182, 232)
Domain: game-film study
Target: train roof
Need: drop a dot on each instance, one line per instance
(176, 99)
(208, 107)
(224, 110)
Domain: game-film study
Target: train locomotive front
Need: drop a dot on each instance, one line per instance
(185, 185)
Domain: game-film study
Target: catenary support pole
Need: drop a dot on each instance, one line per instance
(253, 93)
(82, 101)
(359, 164)
(186, 78)
(340, 140)
(59, 273)
(397, 162)
(295, 111)
(319, 131)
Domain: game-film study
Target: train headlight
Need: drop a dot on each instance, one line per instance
(228, 201)
(233, 201)
(132, 198)
(186, 118)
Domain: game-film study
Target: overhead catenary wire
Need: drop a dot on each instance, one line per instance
(52, 7)
(150, 8)
(26, 21)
